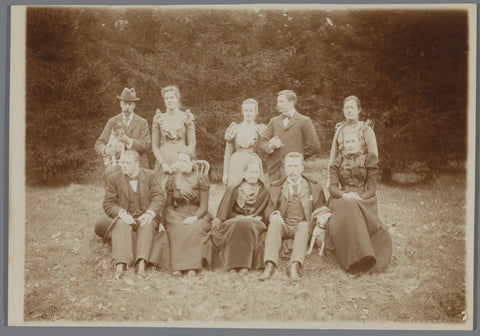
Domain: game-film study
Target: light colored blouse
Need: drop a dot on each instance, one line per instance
(241, 136)
(368, 141)
(181, 130)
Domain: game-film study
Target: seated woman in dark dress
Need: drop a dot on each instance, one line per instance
(355, 236)
(187, 220)
(238, 232)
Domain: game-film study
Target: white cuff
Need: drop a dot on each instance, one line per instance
(150, 212)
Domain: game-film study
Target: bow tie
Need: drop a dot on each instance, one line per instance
(132, 178)
(287, 116)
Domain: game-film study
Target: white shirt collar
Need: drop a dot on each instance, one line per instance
(299, 181)
(291, 113)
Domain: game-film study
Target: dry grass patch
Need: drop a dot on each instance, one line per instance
(68, 275)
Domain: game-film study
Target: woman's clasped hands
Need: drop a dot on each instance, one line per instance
(352, 195)
(190, 220)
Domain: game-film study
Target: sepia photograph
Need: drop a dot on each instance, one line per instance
(243, 166)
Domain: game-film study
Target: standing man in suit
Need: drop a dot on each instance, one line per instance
(288, 132)
(136, 135)
(133, 200)
(292, 211)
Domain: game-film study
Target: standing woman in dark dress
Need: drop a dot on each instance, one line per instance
(355, 234)
(367, 140)
(239, 228)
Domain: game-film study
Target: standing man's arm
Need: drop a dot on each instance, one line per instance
(143, 143)
(264, 144)
(102, 141)
(310, 138)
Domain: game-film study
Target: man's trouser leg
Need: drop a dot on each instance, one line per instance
(122, 250)
(273, 242)
(144, 241)
(300, 242)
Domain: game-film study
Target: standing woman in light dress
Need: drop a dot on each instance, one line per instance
(241, 141)
(172, 132)
(351, 111)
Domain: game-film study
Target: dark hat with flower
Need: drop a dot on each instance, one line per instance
(128, 95)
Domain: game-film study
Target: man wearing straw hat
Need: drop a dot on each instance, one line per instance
(136, 135)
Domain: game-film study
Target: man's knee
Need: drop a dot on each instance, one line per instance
(303, 226)
(275, 226)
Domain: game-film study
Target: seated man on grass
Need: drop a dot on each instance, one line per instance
(133, 199)
(292, 202)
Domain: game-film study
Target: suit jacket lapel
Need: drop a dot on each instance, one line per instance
(292, 120)
(143, 190)
(305, 199)
(132, 126)
(282, 206)
(124, 186)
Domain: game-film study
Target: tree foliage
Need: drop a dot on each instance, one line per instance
(407, 67)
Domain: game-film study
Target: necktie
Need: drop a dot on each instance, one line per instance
(132, 178)
(295, 188)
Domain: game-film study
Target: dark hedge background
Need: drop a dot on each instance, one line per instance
(409, 68)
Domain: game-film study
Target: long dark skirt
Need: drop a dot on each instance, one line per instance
(187, 241)
(355, 237)
(238, 244)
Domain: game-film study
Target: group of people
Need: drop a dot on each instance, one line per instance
(161, 217)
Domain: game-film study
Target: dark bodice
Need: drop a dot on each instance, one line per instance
(354, 172)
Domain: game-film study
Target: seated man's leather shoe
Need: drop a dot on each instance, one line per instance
(119, 270)
(268, 272)
(293, 271)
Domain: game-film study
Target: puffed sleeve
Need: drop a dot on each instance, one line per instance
(370, 139)
(231, 132)
(371, 163)
(203, 182)
(334, 189)
(156, 142)
(191, 140)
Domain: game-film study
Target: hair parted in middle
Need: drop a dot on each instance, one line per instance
(172, 88)
(253, 102)
(355, 99)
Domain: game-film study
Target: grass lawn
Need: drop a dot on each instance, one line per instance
(68, 275)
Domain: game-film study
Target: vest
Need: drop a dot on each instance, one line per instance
(294, 213)
(134, 204)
